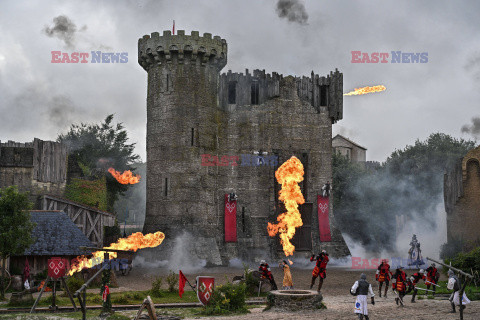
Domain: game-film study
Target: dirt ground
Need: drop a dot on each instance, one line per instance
(335, 291)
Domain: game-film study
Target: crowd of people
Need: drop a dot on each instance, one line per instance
(401, 283)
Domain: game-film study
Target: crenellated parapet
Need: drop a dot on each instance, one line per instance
(249, 89)
(182, 49)
(246, 89)
(323, 92)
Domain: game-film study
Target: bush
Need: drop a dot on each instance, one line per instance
(227, 298)
(156, 290)
(172, 281)
(74, 284)
(96, 299)
(251, 282)
(120, 299)
(466, 261)
(41, 275)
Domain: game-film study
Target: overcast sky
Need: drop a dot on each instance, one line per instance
(41, 99)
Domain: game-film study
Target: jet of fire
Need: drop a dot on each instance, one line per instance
(288, 175)
(365, 90)
(133, 242)
(126, 177)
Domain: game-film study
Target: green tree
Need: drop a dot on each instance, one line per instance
(409, 183)
(96, 147)
(15, 226)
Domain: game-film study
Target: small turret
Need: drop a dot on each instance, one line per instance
(181, 48)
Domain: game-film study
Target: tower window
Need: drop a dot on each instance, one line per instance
(255, 89)
(168, 82)
(166, 187)
(243, 220)
(323, 95)
(232, 92)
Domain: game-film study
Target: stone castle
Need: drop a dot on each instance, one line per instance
(194, 113)
(462, 200)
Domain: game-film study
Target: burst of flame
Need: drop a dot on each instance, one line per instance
(133, 242)
(288, 175)
(47, 289)
(126, 177)
(365, 90)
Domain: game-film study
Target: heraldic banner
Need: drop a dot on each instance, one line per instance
(230, 220)
(323, 221)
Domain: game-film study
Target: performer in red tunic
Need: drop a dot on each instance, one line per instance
(414, 279)
(320, 268)
(264, 269)
(400, 285)
(383, 275)
(432, 278)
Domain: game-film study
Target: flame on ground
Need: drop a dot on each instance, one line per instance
(132, 243)
(365, 90)
(288, 175)
(126, 177)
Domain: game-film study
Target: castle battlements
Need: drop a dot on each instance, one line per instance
(256, 88)
(181, 48)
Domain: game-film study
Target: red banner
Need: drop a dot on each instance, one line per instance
(57, 267)
(323, 221)
(230, 220)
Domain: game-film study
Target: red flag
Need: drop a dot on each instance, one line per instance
(105, 294)
(173, 29)
(26, 271)
(181, 283)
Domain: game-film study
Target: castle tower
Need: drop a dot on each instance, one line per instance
(183, 75)
(196, 114)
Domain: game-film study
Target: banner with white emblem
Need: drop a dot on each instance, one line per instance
(205, 286)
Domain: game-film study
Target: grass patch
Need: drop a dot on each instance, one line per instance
(127, 297)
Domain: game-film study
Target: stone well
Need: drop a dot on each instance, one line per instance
(294, 300)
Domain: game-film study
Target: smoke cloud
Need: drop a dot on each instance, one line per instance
(181, 256)
(474, 128)
(63, 29)
(292, 10)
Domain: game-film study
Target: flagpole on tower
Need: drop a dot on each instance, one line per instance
(173, 29)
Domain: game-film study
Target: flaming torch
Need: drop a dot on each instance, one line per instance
(365, 90)
(288, 175)
(127, 177)
(132, 243)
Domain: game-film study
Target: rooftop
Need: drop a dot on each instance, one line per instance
(55, 234)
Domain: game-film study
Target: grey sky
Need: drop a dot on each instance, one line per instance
(41, 99)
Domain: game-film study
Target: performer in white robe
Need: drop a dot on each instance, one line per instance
(361, 288)
(455, 285)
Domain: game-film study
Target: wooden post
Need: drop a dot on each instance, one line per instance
(147, 303)
(68, 292)
(107, 305)
(40, 295)
(53, 307)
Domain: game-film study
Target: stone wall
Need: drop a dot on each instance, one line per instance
(462, 199)
(189, 114)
